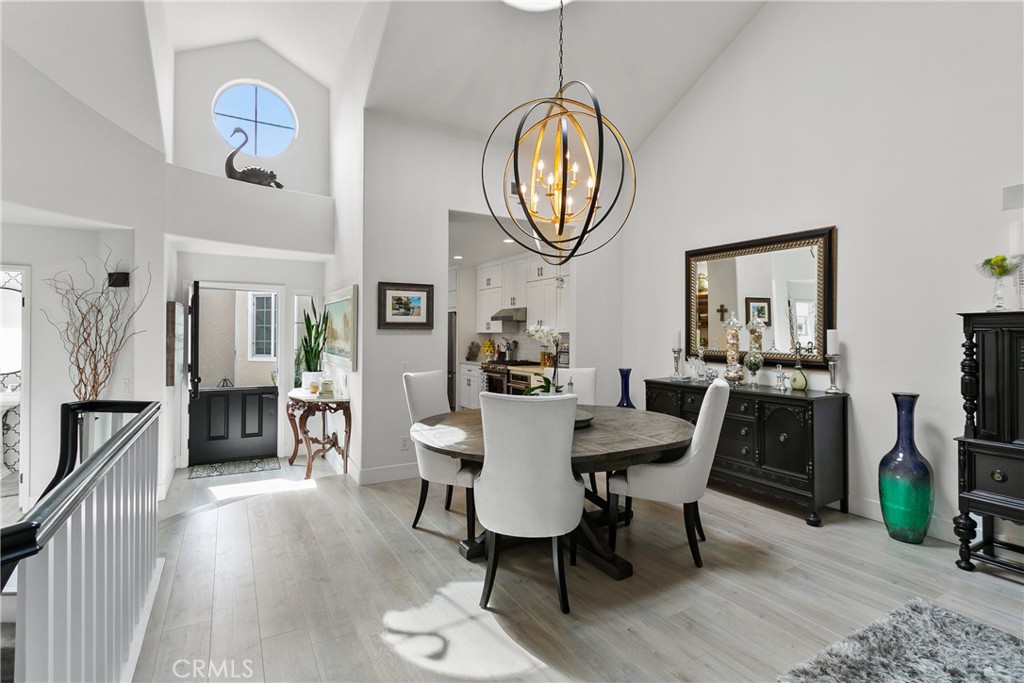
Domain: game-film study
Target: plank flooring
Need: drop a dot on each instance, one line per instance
(270, 578)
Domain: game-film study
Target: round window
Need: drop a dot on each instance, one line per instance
(264, 116)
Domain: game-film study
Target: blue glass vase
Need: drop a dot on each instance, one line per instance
(905, 480)
(624, 401)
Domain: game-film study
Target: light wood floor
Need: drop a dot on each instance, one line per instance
(325, 580)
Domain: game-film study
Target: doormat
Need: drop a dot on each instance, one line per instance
(234, 467)
(917, 642)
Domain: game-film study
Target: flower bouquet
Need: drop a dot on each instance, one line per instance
(997, 267)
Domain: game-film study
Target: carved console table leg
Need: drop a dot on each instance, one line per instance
(348, 434)
(291, 409)
(963, 527)
(303, 427)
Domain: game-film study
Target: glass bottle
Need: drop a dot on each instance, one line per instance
(798, 380)
(733, 370)
(754, 360)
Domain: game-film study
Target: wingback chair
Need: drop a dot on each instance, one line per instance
(527, 487)
(682, 481)
(426, 394)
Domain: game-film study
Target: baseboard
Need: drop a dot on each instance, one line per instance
(139, 632)
(336, 463)
(940, 528)
(379, 475)
(161, 491)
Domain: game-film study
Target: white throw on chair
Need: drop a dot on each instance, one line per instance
(584, 382)
(681, 481)
(426, 394)
(527, 487)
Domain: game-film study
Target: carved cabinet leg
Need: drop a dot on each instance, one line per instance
(963, 527)
(291, 408)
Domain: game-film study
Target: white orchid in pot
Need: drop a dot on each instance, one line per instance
(547, 336)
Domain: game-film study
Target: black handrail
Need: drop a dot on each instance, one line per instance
(71, 485)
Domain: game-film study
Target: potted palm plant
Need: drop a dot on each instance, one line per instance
(312, 345)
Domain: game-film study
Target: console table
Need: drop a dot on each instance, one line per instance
(787, 444)
(991, 451)
(305, 405)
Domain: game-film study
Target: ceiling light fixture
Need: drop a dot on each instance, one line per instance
(563, 143)
(457, 258)
(509, 240)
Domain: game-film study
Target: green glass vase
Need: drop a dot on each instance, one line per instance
(905, 480)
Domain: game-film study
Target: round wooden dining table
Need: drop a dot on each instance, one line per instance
(615, 439)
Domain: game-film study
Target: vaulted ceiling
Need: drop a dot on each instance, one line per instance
(462, 65)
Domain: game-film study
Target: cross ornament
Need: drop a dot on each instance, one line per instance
(721, 310)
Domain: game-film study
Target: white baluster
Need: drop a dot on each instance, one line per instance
(61, 599)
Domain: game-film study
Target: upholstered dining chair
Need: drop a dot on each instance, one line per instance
(682, 481)
(527, 487)
(426, 394)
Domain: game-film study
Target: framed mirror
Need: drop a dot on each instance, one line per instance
(789, 281)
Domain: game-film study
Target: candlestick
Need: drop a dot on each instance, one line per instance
(676, 353)
(833, 364)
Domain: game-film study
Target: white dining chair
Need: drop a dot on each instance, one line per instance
(527, 487)
(426, 394)
(681, 481)
(584, 382)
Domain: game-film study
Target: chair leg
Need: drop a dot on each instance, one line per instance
(470, 515)
(572, 546)
(448, 497)
(556, 556)
(493, 540)
(696, 519)
(424, 486)
(629, 511)
(593, 482)
(689, 510)
(613, 518)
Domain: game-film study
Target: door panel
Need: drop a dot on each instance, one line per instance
(232, 424)
(786, 445)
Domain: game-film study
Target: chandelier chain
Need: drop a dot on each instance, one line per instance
(561, 9)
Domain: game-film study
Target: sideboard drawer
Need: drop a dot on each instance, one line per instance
(692, 401)
(1000, 474)
(737, 440)
(740, 406)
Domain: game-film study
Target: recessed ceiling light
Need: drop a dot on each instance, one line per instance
(457, 258)
(534, 5)
(508, 240)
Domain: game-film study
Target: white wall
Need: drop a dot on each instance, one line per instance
(200, 74)
(901, 124)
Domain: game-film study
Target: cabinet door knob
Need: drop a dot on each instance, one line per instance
(783, 437)
(689, 400)
(744, 431)
(999, 475)
(744, 450)
(743, 407)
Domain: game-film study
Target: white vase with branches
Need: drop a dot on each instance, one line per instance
(95, 322)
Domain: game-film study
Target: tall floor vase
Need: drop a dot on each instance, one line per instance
(905, 480)
(624, 400)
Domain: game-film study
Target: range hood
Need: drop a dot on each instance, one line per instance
(515, 315)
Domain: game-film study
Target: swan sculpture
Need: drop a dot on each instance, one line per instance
(250, 174)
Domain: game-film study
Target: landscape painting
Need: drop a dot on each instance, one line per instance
(341, 330)
(405, 306)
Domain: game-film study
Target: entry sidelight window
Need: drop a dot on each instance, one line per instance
(262, 326)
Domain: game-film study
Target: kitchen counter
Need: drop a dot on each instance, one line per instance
(527, 370)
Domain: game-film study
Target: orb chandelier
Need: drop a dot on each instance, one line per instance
(559, 192)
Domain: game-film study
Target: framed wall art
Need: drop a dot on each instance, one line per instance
(342, 328)
(404, 306)
(760, 308)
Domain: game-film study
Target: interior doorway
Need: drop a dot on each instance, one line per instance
(14, 415)
(234, 361)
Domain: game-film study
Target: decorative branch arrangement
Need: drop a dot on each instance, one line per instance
(95, 324)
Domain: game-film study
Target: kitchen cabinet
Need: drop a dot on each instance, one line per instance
(787, 444)
(488, 302)
(453, 289)
(548, 304)
(469, 385)
(513, 284)
(539, 269)
(489, 277)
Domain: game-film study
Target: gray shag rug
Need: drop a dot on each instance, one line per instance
(918, 642)
(218, 469)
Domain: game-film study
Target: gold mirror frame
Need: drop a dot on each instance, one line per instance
(824, 239)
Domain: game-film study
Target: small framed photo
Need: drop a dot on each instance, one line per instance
(404, 306)
(343, 327)
(759, 308)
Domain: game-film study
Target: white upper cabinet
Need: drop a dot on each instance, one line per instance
(488, 302)
(548, 304)
(488, 277)
(539, 269)
(513, 284)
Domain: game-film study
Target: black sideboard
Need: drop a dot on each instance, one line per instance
(991, 451)
(787, 444)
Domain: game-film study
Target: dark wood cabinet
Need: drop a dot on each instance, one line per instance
(787, 444)
(991, 451)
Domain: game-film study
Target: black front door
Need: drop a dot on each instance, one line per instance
(226, 423)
